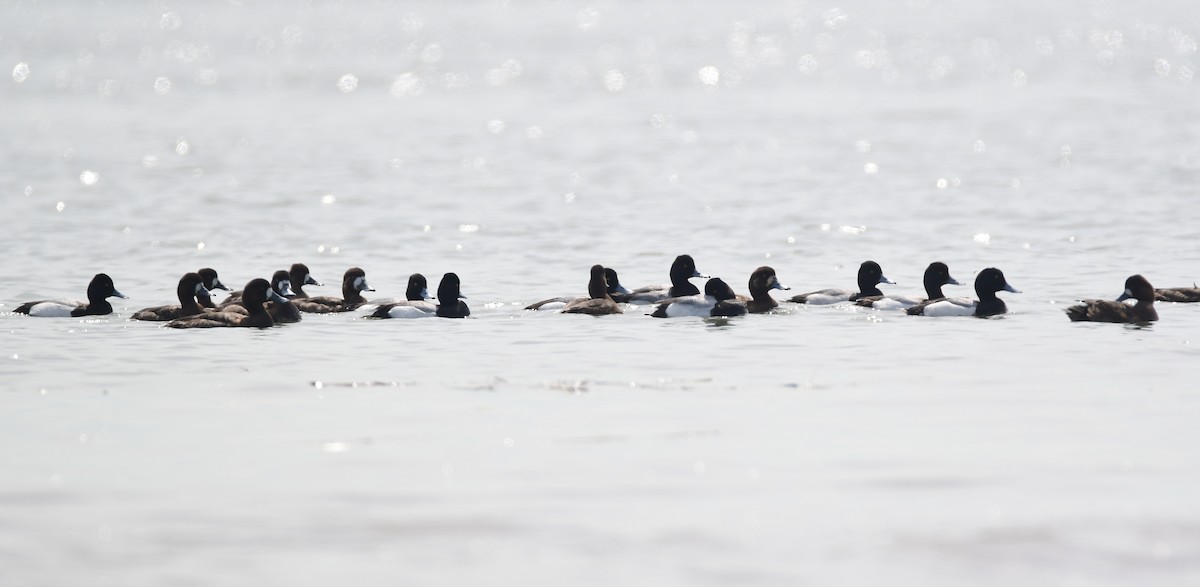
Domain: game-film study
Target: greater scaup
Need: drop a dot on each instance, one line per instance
(718, 300)
(987, 284)
(682, 269)
(1136, 287)
(415, 304)
(762, 281)
(450, 298)
(190, 288)
(284, 312)
(936, 275)
(254, 295)
(870, 275)
(616, 291)
(1178, 294)
(211, 282)
(99, 290)
(354, 282)
(301, 277)
(599, 303)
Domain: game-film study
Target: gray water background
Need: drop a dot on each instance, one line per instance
(518, 143)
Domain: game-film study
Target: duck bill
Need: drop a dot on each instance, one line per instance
(117, 294)
(274, 296)
(1125, 295)
(622, 290)
(425, 294)
(778, 285)
(699, 274)
(308, 280)
(953, 281)
(285, 289)
(883, 279)
(1008, 287)
(218, 285)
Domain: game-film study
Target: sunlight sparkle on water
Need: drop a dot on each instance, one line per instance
(162, 85)
(709, 75)
(21, 73)
(347, 83)
(89, 177)
(614, 80)
(182, 147)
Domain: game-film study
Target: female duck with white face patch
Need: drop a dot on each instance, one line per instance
(190, 289)
(1136, 287)
(762, 281)
(718, 300)
(255, 295)
(354, 282)
(212, 282)
(870, 275)
(99, 290)
(988, 283)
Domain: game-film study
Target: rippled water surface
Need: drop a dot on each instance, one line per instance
(517, 144)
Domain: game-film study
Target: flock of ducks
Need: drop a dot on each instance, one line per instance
(262, 303)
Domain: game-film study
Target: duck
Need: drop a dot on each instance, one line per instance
(1136, 287)
(616, 291)
(762, 281)
(415, 304)
(190, 289)
(870, 275)
(936, 275)
(718, 300)
(99, 290)
(987, 284)
(211, 282)
(683, 268)
(450, 298)
(255, 295)
(300, 277)
(354, 282)
(599, 303)
(284, 312)
(1178, 294)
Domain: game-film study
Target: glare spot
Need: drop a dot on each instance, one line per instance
(1064, 151)
(427, 228)
(207, 76)
(60, 206)
(1025, 246)
(1070, 239)
(292, 35)
(1186, 74)
(495, 126)
(126, 230)
(1015, 183)
(1018, 78)
(662, 120)
(1044, 46)
(200, 246)
(334, 447)
(28, 190)
(673, 179)
(458, 247)
(943, 183)
(408, 84)
(852, 229)
(109, 88)
(983, 238)
(862, 146)
(1162, 67)
(865, 59)
(614, 80)
(834, 18)
(533, 133)
(690, 136)
(807, 64)
(170, 21)
(347, 83)
(709, 75)
(468, 228)
(569, 197)
(508, 443)
(432, 53)
(328, 199)
(979, 146)
(320, 248)
(162, 85)
(182, 147)
(89, 177)
(149, 161)
(318, 384)
(825, 227)
(587, 18)
(396, 163)
(21, 73)
(791, 240)
(871, 168)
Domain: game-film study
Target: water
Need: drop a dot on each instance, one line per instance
(518, 144)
